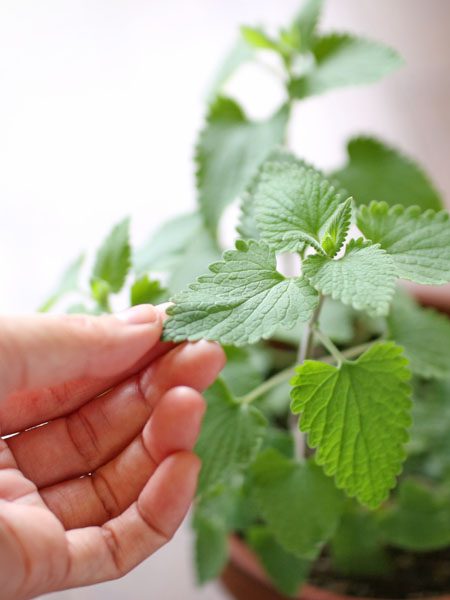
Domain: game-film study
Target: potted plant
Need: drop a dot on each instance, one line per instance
(325, 444)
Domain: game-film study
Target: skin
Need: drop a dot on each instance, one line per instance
(109, 476)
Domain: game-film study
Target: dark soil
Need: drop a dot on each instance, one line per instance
(412, 576)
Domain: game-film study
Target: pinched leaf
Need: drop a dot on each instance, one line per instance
(376, 171)
(68, 283)
(420, 520)
(342, 60)
(337, 230)
(300, 505)
(293, 205)
(113, 258)
(363, 278)
(230, 150)
(419, 242)
(425, 335)
(242, 300)
(286, 571)
(357, 416)
(231, 435)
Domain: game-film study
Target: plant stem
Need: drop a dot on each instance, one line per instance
(289, 372)
(304, 351)
(328, 345)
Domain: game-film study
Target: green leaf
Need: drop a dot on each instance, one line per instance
(211, 547)
(230, 150)
(164, 249)
(357, 416)
(100, 291)
(286, 571)
(363, 278)
(307, 20)
(420, 520)
(231, 435)
(419, 242)
(338, 228)
(68, 283)
(242, 300)
(357, 548)
(342, 60)
(113, 257)
(424, 334)
(147, 291)
(239, 54)
(300, 505)
(294, 204)
(376, 171)
(337, 321)
(245, 368)
(257, 38)
(429, 446)
(247, 227)
(182, 248)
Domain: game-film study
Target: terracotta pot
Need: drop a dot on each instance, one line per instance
(245, 579)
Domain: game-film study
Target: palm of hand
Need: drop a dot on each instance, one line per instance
(109, 477)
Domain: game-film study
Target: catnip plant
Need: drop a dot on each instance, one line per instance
(337, 386)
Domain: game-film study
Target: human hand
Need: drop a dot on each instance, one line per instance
(109, 477)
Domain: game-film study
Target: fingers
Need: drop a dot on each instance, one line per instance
(101, 428)
(174, 426)
(46, 350)
(108, 552)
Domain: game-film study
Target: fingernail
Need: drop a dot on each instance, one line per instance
(138, 315)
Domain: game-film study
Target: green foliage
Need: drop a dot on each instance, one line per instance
(245, 369)
(182, 249)
(229, 152)
(165, 248)
(420, 520)
(211, 547)
(431, 421)
(242, 300)
(424, 334)
(231, 435)
(147, 291)
(112, 261)
(285, 570)
(338, 228)
(357, 416)
(68, 283)
(363, 278)
(419, 242)
(306, 22)
(342, 60)
(357, 549)
(300, 505)
(247, 227)
(239, 54)
(294, 205)
(376, 171)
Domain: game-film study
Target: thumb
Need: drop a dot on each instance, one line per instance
(46, 350)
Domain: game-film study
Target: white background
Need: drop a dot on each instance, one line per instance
(100, 104)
